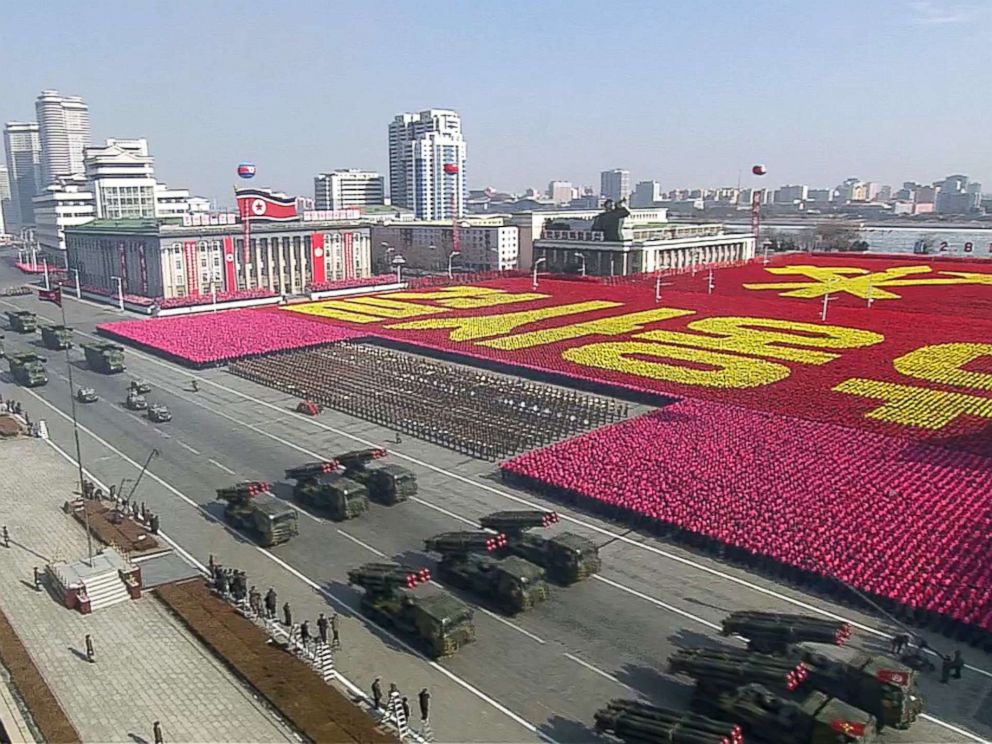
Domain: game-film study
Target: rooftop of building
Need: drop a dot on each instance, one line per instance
(173, 226)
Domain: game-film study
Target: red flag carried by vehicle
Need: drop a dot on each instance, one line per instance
(261, 205)
(51, 295)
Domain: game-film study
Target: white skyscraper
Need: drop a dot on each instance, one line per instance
(23, 149)
(4, 198)
(64, 123)
(427, 163)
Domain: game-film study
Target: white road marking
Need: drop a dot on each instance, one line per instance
(598, 671)
(374, 551)
(185, 446)
(310, 582)
(656, 602)
(226, 469)
(509, 624)
(444, 511)
(139, 420)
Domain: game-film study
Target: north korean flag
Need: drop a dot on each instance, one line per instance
(51, 295)
(258, 205)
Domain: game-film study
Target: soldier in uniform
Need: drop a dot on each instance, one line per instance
(335, 630)
(157, 733)
(406, 709)
(270, 603)
(153, 524)
(6, 537)
(90, 657)
(37, 579)
(322, 628)
(377, 693)
(424, 697)
(899, 642)
(305, 633)
(287, 616)
(255, 600)
(951, 667)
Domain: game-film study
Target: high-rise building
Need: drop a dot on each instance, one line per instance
(4, 199)
(66, 203)
(956, 195)
(23, 149)
(561, 192)
(122, 177)
(64, 127)
(343, 189)
(645, 194)
(427, 163)
(614, 184)
(790, 194)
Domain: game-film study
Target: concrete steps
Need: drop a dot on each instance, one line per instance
(105, 589)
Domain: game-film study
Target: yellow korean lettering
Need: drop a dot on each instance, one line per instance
(750, 336)
(612, 326)
(704, 368)
(465, 298)
(945, 363)
(368, 309)
(916, 406)
(471, 328)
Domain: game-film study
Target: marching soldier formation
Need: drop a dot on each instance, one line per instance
(477, 413)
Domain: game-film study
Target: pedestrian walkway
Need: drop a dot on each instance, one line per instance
(147, 666)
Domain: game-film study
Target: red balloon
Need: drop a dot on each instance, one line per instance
(450, 168)
(759, 170)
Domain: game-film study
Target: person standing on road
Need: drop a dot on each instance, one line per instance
(322, 628)
(37, 579)
(157, 733)
(305, 633)
(424, 697)
(899, 642)
(377, 693)
(6, 537)
(406, 709)
(335, 630)
(287, 616)
(90, 656)
(270, 603)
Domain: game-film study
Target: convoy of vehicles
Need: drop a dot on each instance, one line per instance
(566, 557)
(252, 508)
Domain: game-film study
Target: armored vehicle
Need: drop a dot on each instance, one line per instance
(317, 485)
(511, 583)
(766, 717)
(105, 358)
(135, 402)
(22, 321)
(142, 387)
(86, 395)
(159, 414)
(636, 722)
(56, 337)
(726, 668)
(566, 557)
(439, 623)
(772, 632)
(28, 369)
(387, 484)
(251, 507)
(3, 353)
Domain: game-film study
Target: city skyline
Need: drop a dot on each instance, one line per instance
(821, 105)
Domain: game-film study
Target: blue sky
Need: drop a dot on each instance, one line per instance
(687, 93)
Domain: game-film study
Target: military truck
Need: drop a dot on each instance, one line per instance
(727, 668)
(22, 321)
(86, 395)
(105, 358)
(438, 623)
(319, 486)
(566, 557)
(387, 484)
(511, 583)
(159, 414)
(773, 632)
(251, 507)
(638, 722)
(766, 717)
(142, 387)
(135, 402)
(28, 369)
(56, 337)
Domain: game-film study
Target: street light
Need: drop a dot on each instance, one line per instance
(537, 263)
(398, 265)
(451, 256)
(120, 291)
(582, 257)
(79, 294)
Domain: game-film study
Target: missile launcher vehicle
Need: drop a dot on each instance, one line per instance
(28, 369)
(108, 359)
(639, 723)
(566, 557)
(720, 669)
(510, 583)
(766, 717)
(251, 507)
(56, 337)
(319, 486)
(771, 632)
(22, 321)
(438, 623)
(386, 484)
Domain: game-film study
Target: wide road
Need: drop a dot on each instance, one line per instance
(540, 674)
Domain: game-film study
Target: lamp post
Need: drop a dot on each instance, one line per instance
(871, 295)
(709, 283)
(398, 262)
(695, 257)
(48, 284)
(389, 249)
(537, 263)
(451, 257)
(658, 284)
(582, 257)
(79, 294)
(120, 292)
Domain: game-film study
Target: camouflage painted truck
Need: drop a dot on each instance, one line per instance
(56, 337)
(327, 491)
(874, 683)
(767, 717)
(252, 508)
(22, 321)
(638, 722)
(439, 624)
(510, 583)
(717, 669)
(387, 484)
(107, 359)
(565, 556)
(28, 369)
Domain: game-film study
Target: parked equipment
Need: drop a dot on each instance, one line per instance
(566, 557)
(319, 486)
(253, 508)
(105, 358)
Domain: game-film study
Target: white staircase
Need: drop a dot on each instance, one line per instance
(105, 589)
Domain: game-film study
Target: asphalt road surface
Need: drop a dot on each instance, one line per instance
(541, 674)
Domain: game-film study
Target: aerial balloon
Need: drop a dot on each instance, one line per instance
(759, 170)
(450, 168)
(246, 170)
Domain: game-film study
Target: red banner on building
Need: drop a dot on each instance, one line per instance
(756, 213)
(230, 280)
(349, 254)
(189, 252)
(122, 254)
(317, 257)
(143, 265)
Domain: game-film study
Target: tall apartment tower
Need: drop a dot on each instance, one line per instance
(4, 198)
(614, 184)
(343, 189)
(23, 149)
(427, 164)
(64, 124)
